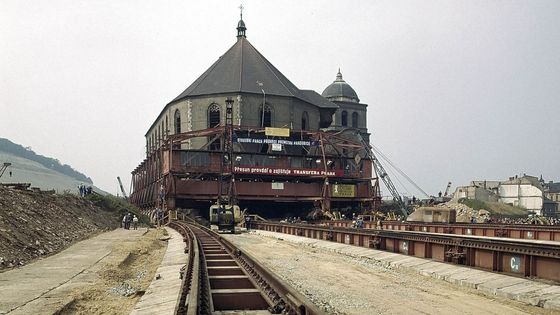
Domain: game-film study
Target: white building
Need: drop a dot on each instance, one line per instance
(525, 192)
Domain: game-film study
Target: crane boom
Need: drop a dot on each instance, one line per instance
(122, 188)
(384, 176)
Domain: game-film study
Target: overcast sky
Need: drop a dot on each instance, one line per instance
(457, 90)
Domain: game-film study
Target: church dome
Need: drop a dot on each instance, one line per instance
(339, 90)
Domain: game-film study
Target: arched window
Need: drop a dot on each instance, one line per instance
(213, 115)
(354, 120)
(344, 119)
(266, 116)
(304, 121)
(177, 121)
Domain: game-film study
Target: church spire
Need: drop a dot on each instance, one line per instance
(339, 76)
(241, 25)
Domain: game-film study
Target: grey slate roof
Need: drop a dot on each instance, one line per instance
(239, 69)
(315, 98)
(553, 187)
(339, 88)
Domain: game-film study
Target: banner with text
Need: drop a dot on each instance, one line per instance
(277, 141)
(285, 171)
(277, 132)
(343, 190)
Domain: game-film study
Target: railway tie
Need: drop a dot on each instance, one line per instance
(221, 279)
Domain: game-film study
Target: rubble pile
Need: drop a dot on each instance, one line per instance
(35, 224)
(465, 213)
(123, 289)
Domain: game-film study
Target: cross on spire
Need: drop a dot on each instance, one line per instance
(241, 25)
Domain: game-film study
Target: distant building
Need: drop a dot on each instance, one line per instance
(479, 190)
(552, 198)
(552, 191)
(525, 192)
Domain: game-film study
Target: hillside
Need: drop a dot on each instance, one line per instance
(43, 172)
(53, 164)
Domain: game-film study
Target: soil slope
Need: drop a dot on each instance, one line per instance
(35, 224)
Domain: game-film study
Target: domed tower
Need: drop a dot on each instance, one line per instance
(351, 113)
(340, 91)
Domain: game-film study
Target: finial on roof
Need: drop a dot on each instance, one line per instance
(339, 75)
(241, 25)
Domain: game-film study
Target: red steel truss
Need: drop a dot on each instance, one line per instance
(333, 169)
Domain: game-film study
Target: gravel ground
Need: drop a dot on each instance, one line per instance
(341, 284)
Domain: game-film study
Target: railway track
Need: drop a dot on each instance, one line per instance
(517, 257)
(520, 231)
(221, 279)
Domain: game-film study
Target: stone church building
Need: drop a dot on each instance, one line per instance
(191, 128)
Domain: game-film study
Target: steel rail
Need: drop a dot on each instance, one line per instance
(284, 296)
(519, 231)
(188, 303)
(525, 246)
(224, 279)
(520, 257)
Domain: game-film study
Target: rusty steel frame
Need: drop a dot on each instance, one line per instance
(281, 297)
(539, 259)
(519, 231)
(150, 176)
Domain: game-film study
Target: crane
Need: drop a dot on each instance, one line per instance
(4, 167)
(122, 188)
(384, 176)
(447, 189)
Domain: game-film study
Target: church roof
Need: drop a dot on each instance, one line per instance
(242, 69)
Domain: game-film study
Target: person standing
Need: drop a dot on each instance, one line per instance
(128, 221)
(159, 213)
(248, 223)
(135, 222)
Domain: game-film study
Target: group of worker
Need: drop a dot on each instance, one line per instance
(84, 191)
(128, 219)
(357, 222)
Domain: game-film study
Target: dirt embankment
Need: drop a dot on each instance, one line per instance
(35, 224)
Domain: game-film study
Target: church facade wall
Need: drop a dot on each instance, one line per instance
(287, 112)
